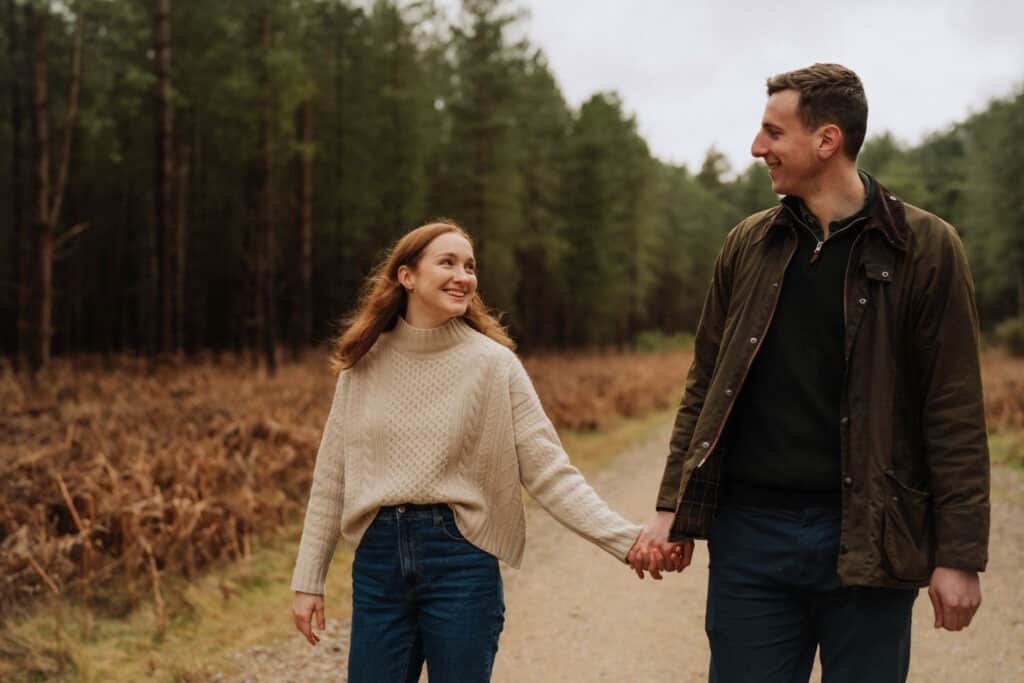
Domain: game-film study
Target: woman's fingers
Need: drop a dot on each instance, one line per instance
(303, 624)
(304, 607)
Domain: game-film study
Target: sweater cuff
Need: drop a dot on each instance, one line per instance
(308, 578)
(626, 541)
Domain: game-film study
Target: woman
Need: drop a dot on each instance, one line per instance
(434, 427)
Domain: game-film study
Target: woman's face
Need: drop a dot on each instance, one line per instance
(442, 284)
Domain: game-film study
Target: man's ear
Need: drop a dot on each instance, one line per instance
(830, 140)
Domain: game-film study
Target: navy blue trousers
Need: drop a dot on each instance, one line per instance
(774, 598)
(422, 592)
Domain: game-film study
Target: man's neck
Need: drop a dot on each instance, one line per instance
(835, 197)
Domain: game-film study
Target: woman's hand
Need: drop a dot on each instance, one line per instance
(304, 606)
(653, 552)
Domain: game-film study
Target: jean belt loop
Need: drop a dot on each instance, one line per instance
(436, 509)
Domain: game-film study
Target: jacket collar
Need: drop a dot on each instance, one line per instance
(886, 215)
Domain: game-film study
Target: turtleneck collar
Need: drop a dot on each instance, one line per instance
(409, 339)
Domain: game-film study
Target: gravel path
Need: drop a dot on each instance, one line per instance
(575, 614)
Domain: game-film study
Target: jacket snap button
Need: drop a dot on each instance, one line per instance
(753, 340)
(775, 284)
(705, 444)
(843, 420)
(848, 481)
(895, 499)
(728, 392)
(885, 273)
(862, 301)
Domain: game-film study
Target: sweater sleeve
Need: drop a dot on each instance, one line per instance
(549, 477)
(322, 527)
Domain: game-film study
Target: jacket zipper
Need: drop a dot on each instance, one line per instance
(760, 341)
(814, 256)
(819, 243)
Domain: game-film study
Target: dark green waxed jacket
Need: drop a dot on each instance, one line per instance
(914, 454)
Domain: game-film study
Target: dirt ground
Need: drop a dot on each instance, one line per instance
(575, 614)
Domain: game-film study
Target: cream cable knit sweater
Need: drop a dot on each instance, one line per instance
(444, 415)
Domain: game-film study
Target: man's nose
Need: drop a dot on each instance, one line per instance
(757, 147)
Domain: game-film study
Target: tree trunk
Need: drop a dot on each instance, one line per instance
(46, 214)
(266, 206)
(302, 300)
(1020, 290)
(180, 248)
(19, 260)
(197, 195)
(164, 177)
(41, 267)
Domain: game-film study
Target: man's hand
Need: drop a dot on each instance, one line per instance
(955, 596)
(652, 551)
(304, 606)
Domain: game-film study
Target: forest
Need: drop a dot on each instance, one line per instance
(191, 177)
(190, 189)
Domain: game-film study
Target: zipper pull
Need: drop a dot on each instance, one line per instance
(817, 252)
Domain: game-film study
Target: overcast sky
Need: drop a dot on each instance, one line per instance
(693, 71)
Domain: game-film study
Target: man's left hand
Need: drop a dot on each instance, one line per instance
(955, 596)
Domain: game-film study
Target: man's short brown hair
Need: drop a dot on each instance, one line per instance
(829, 93)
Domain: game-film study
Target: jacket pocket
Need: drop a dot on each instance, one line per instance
(906, 531)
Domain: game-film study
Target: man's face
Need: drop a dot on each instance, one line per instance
(789, 150)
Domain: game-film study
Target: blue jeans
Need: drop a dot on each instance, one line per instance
(420, 591)
(774, 597)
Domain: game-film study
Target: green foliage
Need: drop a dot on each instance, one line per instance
(609, 223)
(752, 190)
(993, 201)
(713, 171)
(1007, 447)
(582, 236)
(1010, 333)
(970, 175)
(649, 341)
(878, 152)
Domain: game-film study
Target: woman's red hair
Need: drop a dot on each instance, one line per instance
(384, 299)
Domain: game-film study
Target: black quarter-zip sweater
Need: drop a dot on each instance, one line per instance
(783, 436)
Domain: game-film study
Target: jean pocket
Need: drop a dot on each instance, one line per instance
(450, 529)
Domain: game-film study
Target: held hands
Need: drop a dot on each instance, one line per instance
(304, 606)
(653, 552)
(955, 596)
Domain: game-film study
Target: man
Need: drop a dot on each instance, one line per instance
(831, 441)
